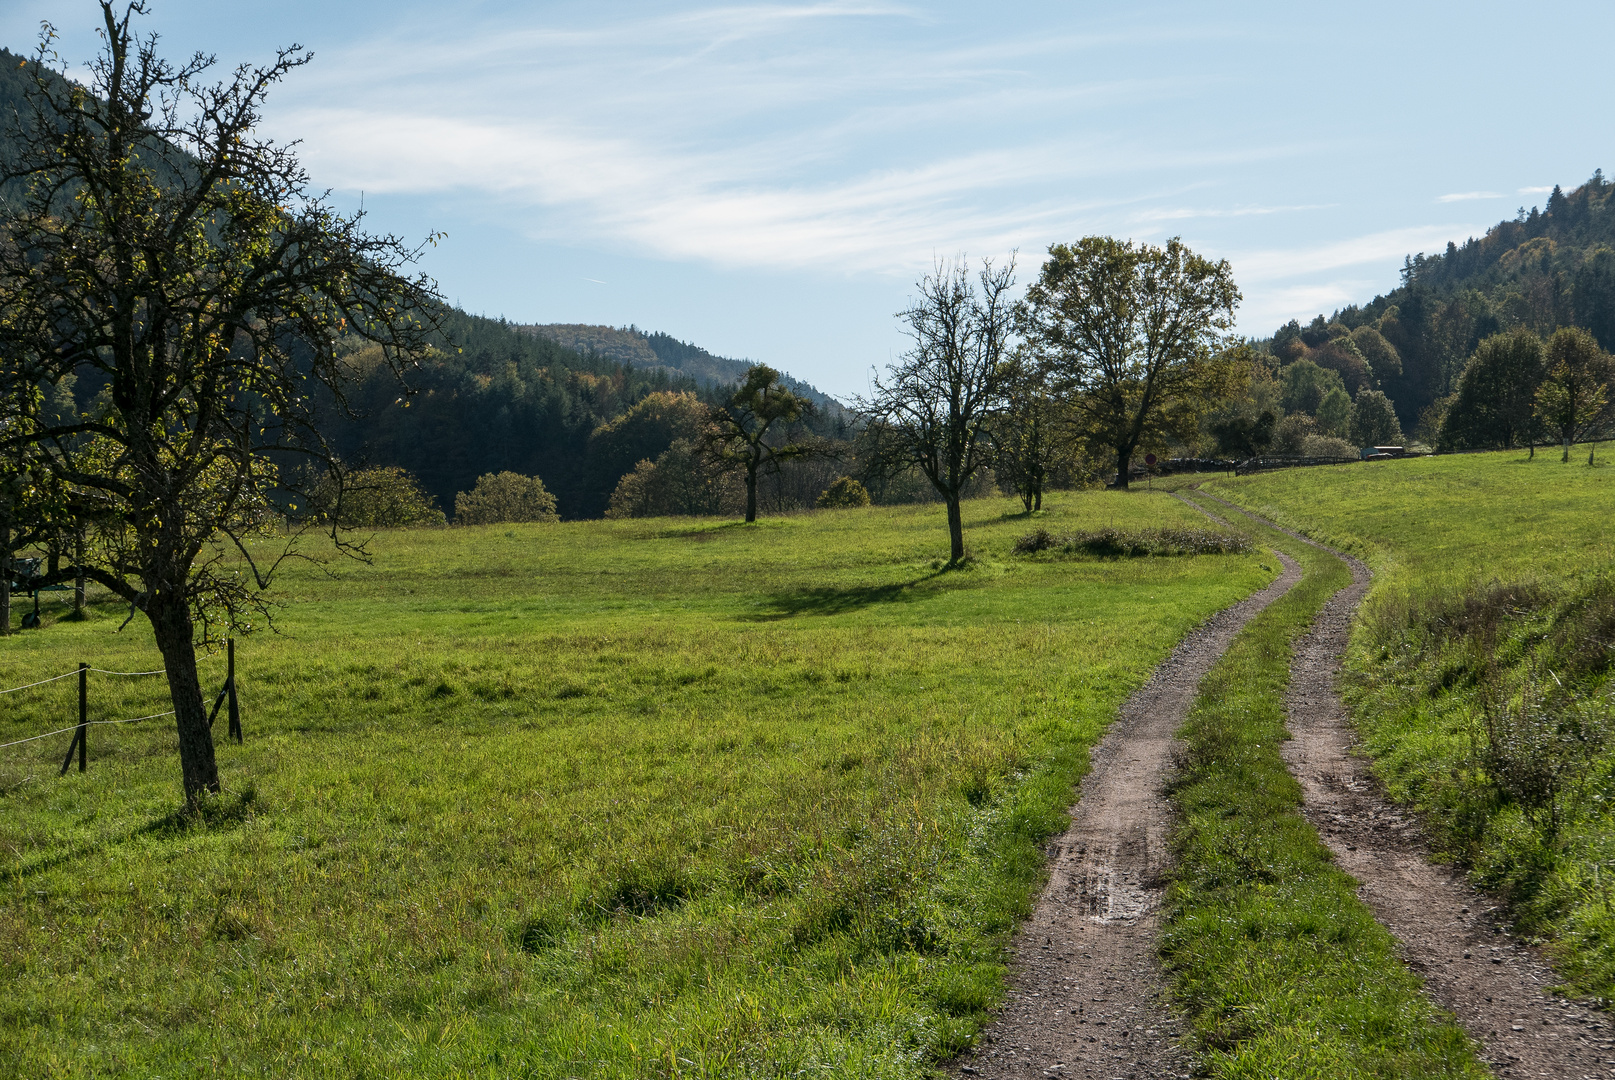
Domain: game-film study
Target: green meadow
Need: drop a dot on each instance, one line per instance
(1479, 673)
(645, 798)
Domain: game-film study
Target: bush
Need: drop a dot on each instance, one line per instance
(502, 497)
(845, 492)
(1327, 446)
(1291, 432)
(681, 480)
(387, 497)
(1116, 543)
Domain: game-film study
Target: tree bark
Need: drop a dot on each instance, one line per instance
(172, 628)
(1124, 466)
(751, 491)
(956, 527)
(78, 567)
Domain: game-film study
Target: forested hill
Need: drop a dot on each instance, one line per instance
(496, 396)
(1549, 267)
(499, 397)
(631, 345)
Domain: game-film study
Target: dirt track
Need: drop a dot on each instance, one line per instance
(1086, 994)
(1451, 935)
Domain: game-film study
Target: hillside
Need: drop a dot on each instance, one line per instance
(496, 396)
(1546, 268)
(631, 345)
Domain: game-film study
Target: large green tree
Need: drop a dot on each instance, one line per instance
(1496, 394)
(165, 252)
(1574, 399)
(1131, 336)
(744, 429)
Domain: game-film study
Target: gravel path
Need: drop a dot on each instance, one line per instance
(1451, 935)
(1086, 997)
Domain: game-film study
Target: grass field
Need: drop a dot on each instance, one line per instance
(644, 798)
(1480, 673)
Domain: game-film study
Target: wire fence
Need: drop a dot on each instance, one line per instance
(80, 730)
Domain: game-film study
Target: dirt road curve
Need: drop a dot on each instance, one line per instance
(1086, 989)
(1451, 935)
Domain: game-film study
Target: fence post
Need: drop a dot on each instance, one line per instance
(80, 741)
(84, 716)
(230, 685)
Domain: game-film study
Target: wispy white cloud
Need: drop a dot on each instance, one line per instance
(1543, 190)
(1189, 214)
(1466, 196)
(1379, 247)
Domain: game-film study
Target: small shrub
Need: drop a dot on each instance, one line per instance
(844, 493)
(386, 497)
(505, 496)
(1118, 543)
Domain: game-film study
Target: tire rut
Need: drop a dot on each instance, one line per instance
(1453, 936)
(1086, 995)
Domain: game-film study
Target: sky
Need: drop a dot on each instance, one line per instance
(769, 180)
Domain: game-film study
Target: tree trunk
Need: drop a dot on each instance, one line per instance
(956, 527)
(171, 626)
(751, 491)
(78, 569)
(1567, 449)
(1124, 466)
(1038, 496)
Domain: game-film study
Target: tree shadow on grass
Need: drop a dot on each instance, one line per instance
(834, 601)
(217, 813)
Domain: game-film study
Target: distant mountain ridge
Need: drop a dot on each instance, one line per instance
(659, 351)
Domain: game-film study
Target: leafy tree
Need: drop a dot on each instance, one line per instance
(932, 409)
(1496, 395)
(682, 480)
(163, 251)
(1373, 420)
(383, 497)
(643, 432)
(1384, 362)
(1131, 336)
(1340, 356)
(1573, 399)
(1291, 433)
(504, 497)
(738, 428)
(1335, 412)
(1025, 443)
(845, 493)
(1306, 384)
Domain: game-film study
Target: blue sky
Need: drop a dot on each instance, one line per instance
(769, 180)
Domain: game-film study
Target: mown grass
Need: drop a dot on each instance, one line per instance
(647, 798)
(1284, 971)
(1480, 673)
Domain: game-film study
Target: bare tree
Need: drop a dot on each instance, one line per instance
(932, 409)
(166, 254)
(1130, 337)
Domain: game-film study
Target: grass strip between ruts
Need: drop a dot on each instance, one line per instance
(1283, 970)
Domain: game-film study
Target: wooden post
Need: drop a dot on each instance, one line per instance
(230, 684)
(80, 741)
